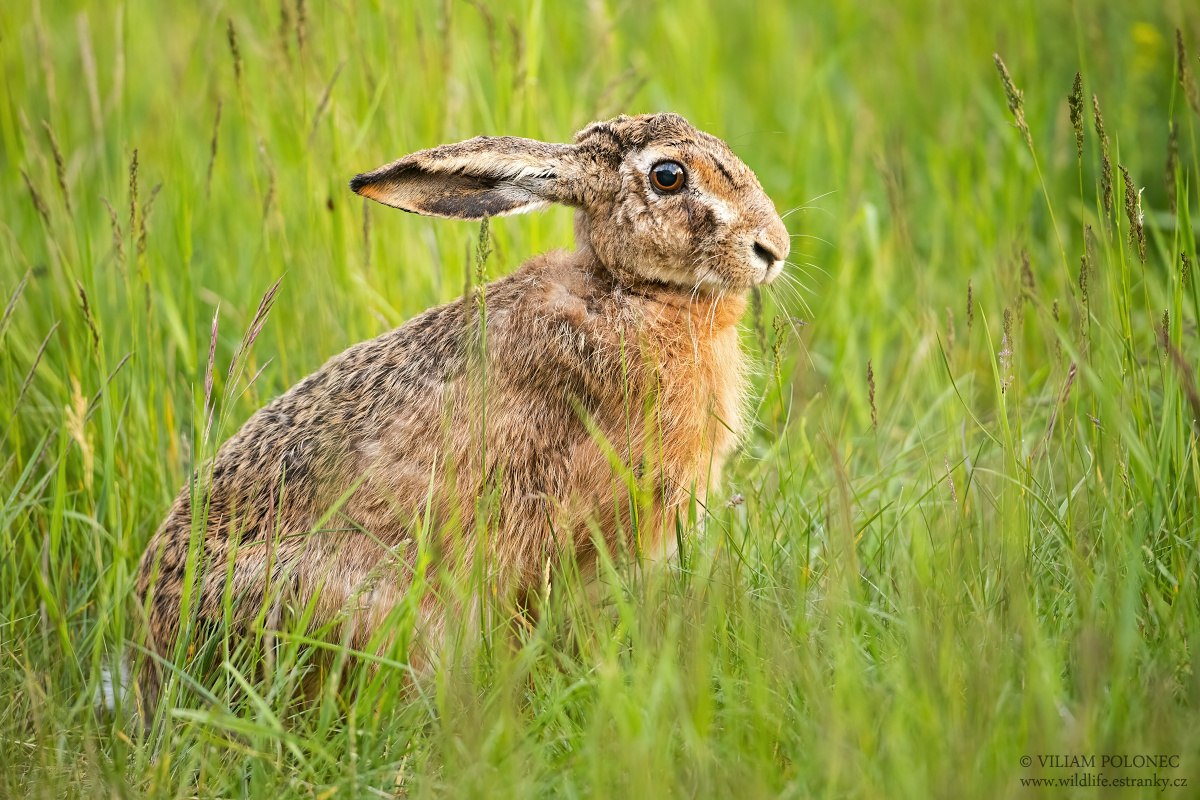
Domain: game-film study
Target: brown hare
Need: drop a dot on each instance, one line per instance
(575, 372)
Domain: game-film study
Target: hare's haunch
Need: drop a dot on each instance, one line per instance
(626, 346)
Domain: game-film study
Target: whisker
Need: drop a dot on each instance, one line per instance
(712, 311)
(810, 236)
(798, 289)
(801, 290)
(791, 316)
(794, 289)
(691, 302)
(801, 267)
(807, 205)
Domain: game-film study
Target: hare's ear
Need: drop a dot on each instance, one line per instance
(482, 177)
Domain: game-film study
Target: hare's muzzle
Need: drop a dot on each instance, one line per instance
(769, 251)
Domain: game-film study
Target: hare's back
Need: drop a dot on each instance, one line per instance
(306, 447)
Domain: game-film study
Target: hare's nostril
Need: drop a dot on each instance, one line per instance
(765, 253)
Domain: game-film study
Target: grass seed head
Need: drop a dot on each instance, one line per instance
(1057, 339)
(133, 191)
(483, 251)
(1098, 120)
(779, 325)
(1186, 79)
(37, 359)
(970, 306)
(86, 307)
(212, 148)
(234, 50)
(75, 423)
(1006, 352)
(1027, 284)
(1106, 174)
(209, 369)
(871, 395)
(1075, 103)
(39, 205)
(12, 303)
(1083, 278)
(1063, 395)
(489, 25)
(285, 28)
(256, 326)
(269, 195)
(1133, 210)
(758, 323)
(232, 37)
(60, 169)
(118, 237)
(147, 207)
(1172, 164)
(301, 25)
(1016, 100)
(1085, 268)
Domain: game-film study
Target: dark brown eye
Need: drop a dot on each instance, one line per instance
(667, 176)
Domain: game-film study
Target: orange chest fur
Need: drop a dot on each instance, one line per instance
(700, 393)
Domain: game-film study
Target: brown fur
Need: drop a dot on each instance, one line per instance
(626, 348)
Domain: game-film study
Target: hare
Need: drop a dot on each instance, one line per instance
(573, 373)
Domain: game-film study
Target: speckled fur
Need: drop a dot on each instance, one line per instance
(627, 345)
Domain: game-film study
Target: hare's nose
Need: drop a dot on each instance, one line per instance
(766, 252)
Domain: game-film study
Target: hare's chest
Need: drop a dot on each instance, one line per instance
(703, 390)
(726, 392)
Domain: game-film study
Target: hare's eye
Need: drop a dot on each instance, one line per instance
(667, 176)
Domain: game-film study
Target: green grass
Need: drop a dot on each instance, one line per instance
(987, 551)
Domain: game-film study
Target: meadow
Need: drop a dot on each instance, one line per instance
(961, 537)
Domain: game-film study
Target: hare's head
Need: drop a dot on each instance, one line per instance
(657, 199)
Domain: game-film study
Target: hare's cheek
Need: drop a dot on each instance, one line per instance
(703, 220)
(675, 235)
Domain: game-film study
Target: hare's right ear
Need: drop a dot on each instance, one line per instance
(481, 177)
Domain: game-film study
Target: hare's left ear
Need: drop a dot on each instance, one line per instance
(481, 177)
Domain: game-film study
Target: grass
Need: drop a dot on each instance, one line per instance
(963, 530)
